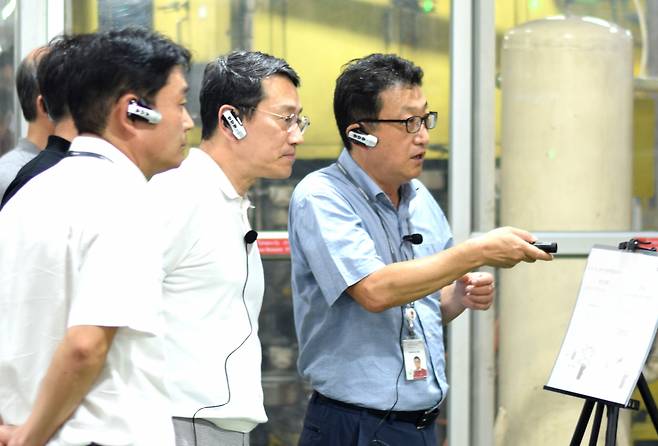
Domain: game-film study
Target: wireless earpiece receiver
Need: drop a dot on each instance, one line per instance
(138, 110)
(369, 141)
(234, 124)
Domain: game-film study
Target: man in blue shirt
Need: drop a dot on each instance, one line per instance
(375, 274)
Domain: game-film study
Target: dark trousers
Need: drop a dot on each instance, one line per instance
(326, 424)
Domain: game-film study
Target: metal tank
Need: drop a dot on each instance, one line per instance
(566, 166)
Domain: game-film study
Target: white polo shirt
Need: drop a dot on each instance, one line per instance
(211, 325)
(77, 249)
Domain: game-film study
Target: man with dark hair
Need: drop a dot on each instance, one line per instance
(213, 284)
(81, 353)
(39, 125)
(374, 272)
(53, 75)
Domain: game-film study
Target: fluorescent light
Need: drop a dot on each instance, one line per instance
(8, 9)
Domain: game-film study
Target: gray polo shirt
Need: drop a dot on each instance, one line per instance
(12, 161)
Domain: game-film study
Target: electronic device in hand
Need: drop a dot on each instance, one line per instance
(546, 246)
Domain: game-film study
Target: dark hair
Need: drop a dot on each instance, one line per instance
(54, 73)
(27, 86)
(358, 87)
(236, 79)
(113, 63)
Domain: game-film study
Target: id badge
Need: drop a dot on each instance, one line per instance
(415, 359)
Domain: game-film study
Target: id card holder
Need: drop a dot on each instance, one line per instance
(415, 359)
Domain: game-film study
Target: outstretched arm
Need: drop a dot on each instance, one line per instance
(399, 283)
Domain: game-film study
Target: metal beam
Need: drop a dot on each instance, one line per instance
(459, 332)
(483, 367)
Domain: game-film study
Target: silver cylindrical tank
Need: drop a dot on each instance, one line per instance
(565, 166)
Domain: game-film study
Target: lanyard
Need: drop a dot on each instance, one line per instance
(89, 154)
(373, 207)
(409, 311)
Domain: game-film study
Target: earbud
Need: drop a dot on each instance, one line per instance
(138, 110)
(369, 141)
(234, 124)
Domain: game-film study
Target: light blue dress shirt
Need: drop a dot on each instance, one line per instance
(337, 238)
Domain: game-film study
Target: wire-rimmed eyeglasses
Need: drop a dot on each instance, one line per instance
(293, 118)
(412, 123)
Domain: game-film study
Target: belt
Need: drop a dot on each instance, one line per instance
(421, 418)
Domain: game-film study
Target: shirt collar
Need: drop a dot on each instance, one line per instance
(369, 186)
(27, 145)
(95, 144)
(57, 144)
(224, 184)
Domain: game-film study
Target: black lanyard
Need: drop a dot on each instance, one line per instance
(394, 256)
(89, 154)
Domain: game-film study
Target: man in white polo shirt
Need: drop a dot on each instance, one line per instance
(213, 284)
(80, 294)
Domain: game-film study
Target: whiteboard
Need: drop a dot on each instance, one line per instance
(612, 326)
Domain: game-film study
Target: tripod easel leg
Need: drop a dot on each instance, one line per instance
(596, 425)
(611, 430)
(648, 400)
(582, 423)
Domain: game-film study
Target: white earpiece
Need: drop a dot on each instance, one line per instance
(235, 124)
(137, 109)
(369, 141)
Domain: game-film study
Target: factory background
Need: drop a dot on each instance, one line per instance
(547, 121)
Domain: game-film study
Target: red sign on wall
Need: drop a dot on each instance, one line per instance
(273, 246)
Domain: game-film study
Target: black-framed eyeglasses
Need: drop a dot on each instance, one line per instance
(412, 123)
(293, 118)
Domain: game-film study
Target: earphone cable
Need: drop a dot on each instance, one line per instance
(251, 327)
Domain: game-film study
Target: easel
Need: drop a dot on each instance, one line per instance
(612, 412)
(612, 409)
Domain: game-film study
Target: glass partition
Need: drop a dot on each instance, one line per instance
(8, 118)
(640, 18)
(576, 146)
(316, 37)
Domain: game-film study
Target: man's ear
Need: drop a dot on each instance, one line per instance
(41, 106)
(119, 118)
(359, 136)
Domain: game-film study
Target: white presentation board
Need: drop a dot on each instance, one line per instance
(612, 326)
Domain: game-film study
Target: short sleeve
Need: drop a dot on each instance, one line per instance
(174, 215)
(330, 237)
(119, 272)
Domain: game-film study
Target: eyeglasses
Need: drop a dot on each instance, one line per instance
(412, 123)
(302, 122)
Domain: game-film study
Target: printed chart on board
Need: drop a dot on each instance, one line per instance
(612, 326)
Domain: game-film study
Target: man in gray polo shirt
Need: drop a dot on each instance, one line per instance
(39, 126)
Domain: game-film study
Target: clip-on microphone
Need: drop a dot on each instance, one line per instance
(414, 239)
(250, 237)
